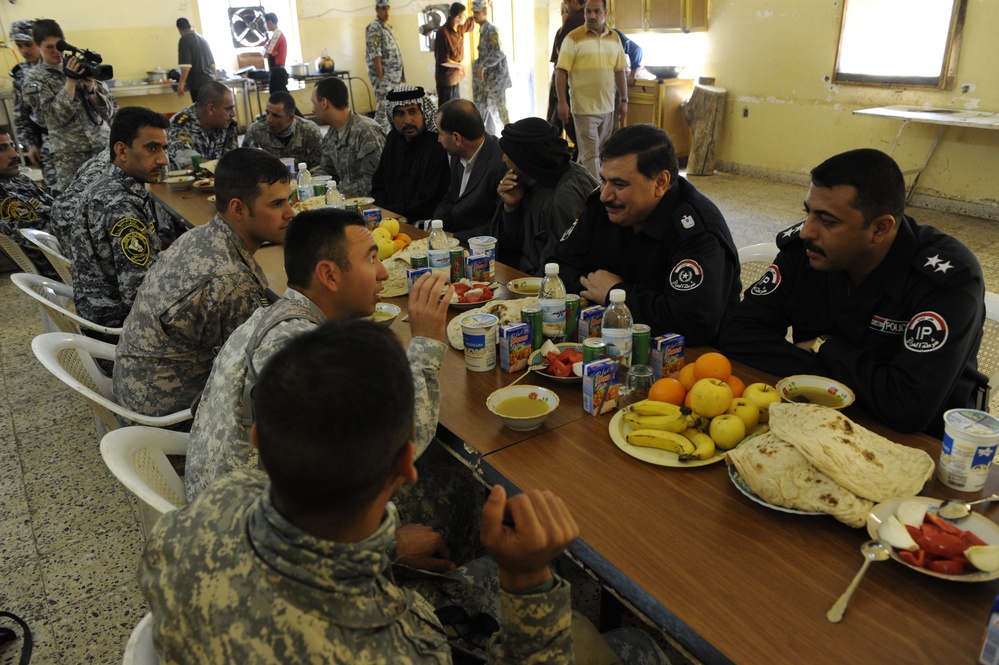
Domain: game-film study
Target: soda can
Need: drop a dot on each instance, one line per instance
(419, 261)
(352, 207)
(593, 349)
(196, 164)
(457, 261)
(571, 316)
(531, 315)
(641, 342)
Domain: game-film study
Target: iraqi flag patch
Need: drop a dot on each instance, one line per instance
(927, 331)
(686, 275)
(768, 283)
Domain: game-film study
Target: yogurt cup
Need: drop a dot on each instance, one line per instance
(484, 245)
(478, 334)
(969, 444)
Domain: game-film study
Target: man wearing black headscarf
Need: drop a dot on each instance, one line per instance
(542, 194)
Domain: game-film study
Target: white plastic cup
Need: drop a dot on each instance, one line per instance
(969, 444)
(484, 245)
(478, 334)
(290, 163)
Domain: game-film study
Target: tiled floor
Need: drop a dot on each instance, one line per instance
(69, 534)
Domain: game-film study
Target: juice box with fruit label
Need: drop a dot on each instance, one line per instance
(515, 346)
(667, 355)
(589, 322)
(600, 386)
(477, 268)
(414, 274)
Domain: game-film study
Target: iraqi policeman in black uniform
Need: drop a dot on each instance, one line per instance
(650, 232)
(892, 309)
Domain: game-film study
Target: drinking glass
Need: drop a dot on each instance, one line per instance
(637, 386)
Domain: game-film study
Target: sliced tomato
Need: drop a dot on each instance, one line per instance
(942, 524)
(556, 367)
(972, 539)
(575, 356)
(914, 531)
(946, 566)
(917, 558)
(942, 544)
(472, 295)
(461, 289)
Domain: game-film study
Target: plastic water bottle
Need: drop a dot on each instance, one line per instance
(439, 249)
(551, 297)
(305, 190)
(616, 331)
(333, 196)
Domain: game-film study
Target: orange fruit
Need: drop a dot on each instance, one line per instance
(712, 365)
(686, 377)
(404, 237)
(401, 244)
(736, 384)
(668, 390)
(686, 400)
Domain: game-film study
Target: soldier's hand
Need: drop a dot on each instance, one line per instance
(524, 534)
(510, 191)
(597, 284)
(427, 309)
(419, 546)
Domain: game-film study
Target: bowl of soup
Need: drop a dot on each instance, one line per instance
(811, 389)
(385, 313)
(522, 287)
(522, 407)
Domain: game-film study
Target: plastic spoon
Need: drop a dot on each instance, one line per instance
(873, 550)
(956, 509)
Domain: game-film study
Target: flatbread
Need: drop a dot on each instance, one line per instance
(311, 203)
(779, 474)
(396, 284)
(865, 463)
(508, 311)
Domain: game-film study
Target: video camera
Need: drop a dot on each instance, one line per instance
(88, 59)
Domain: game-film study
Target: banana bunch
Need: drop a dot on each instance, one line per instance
(649, 414)
(657, 438)
(668, 427)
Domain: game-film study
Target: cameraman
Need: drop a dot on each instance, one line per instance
(76, 111)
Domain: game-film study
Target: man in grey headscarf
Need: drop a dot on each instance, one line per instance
(413, 174)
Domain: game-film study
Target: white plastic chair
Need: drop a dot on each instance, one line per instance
(17, 255)
(52, 250)
(137, 456)
(755, 259)
(53, 299)
(140, 650)
(71, 359)
(988, 352)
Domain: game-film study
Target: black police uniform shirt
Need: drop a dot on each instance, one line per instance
(680, 273)
(906, 340)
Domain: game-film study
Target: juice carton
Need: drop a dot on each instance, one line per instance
(413, 274)
(589, 322)
(667, 355)
(515, 346)
(477, 268)
(600, 386)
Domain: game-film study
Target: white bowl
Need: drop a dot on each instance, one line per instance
(522, 423)
(385, 313)
(516, 287)
(815, 390)
(179, 182)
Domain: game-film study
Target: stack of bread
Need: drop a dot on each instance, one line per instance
(816, 459)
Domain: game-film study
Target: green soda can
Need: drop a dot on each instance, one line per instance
(593, 349)
(641, 342)
(571, 316)
(531, 315)
(352, 207)
(457, 257)
(419, 261)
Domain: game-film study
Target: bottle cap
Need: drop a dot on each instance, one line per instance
(551, 268)
(333, 183)
(301, 166)
(437, 224)
(617, 295)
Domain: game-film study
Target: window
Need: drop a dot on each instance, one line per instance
(900, 42)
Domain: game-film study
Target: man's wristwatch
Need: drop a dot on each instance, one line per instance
(819, 341)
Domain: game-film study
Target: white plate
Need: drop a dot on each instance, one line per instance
(976, 523)
(211, 199)
(360, 200)
(513, 284)
(619, 431)
(535, 361)
(741, 485)
(204, 184)
(178, 172)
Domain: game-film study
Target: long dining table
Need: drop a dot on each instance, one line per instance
(731, 580)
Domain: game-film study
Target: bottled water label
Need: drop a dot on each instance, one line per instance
(440, 260)
(618, 342)
(552, 316)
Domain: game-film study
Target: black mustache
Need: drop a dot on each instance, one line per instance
(812, 248)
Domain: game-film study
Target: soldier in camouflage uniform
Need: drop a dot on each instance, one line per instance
(490, 73)
(283, 134)
(297, 570)
(23, 205)
(385, 70)
(220, 436)
(115, 240)
(354, 143)
(76, 111)
(30, 134)
(202, 288)
(66, 209)
(207, 128)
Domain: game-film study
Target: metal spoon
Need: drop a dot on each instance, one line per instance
(956, 509)
(530, 368)
(873, 550)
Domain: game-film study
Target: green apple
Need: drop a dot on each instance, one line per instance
(762, 395)
(747, 410)
(710, 397)
(727, 430)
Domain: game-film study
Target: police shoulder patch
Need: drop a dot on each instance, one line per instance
(686, 221)
(789, 235)
(686, 275)
(126, 223)
(568, 231)
(926, 331)
(768, 283)
(939, 266)
(135, 247)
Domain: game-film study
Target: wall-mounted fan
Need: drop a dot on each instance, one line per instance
(432, 17)
(247, 26)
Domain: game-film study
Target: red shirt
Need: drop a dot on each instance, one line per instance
(277, 48)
